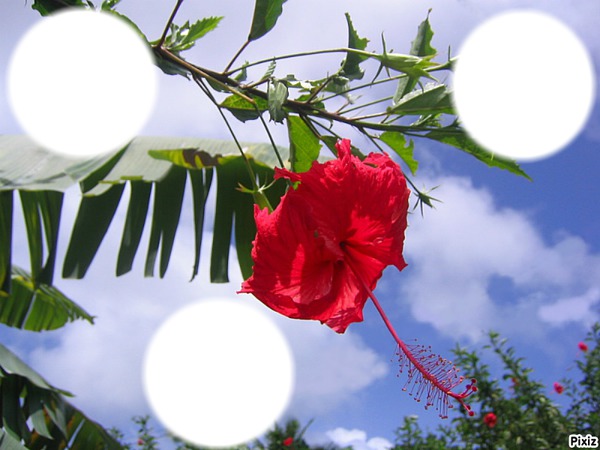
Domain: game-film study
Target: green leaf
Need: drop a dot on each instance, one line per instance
(7, 442)
(397, 142)
(168, 201)
(37, 308)
(26, 398)
(455, 136)
(188, 158)
(134, 225)
(201, 182)
(304, 145)
(432, 99)
(108, 5)
(45, 7)
(413, 66)
(91, 224)
(421, 46)
(6, 219)
(266, 13)
(351, 65)
(42, 207)
(244, 110)
(185, 37)
(278, 94)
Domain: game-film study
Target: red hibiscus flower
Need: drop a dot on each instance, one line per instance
(558, 388)
(344, 215)
(490, 419)
(320, 253)
(583, 347)
(288, 441)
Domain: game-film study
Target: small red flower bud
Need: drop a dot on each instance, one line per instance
(140, 442)
(582, 346)
(559, 388)
(288, 441)
(490, 419)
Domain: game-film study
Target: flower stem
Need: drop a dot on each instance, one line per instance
(434, 375)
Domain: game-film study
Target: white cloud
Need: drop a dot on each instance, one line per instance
(357, 440)
(572, 309)
(467, 242)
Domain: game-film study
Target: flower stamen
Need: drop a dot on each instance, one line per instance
(429, 375)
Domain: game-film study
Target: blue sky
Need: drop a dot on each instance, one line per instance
(499, 252)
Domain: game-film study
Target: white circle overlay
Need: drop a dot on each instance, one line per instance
(81, 82)
(524, 85)
(218, 373)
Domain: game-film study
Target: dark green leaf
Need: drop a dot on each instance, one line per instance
(201, 181)
(35, 407)
(108, 5)
(93, 219)
(244, 110)
(6, 218)
(134, 225)
(351, 65)
(42, 207)
(278, 94)
(236, 206)
(304, 145)
(455, 136)
(168, 67)
(37, 308)
(45, 7)
(397, 142)
(266, 13)
(227, 183)
(168, 199)
(63, 427)
(432, 99)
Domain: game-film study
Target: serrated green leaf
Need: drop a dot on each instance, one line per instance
(455, 136)
(266, 13)
(421, 46)
(397, 142)
(414, 66)
(351, 65)
(304, 145)
(188, 34)
(277, 96)
(244, 110)
(432, 99)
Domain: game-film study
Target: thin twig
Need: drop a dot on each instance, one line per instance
(161, 41)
